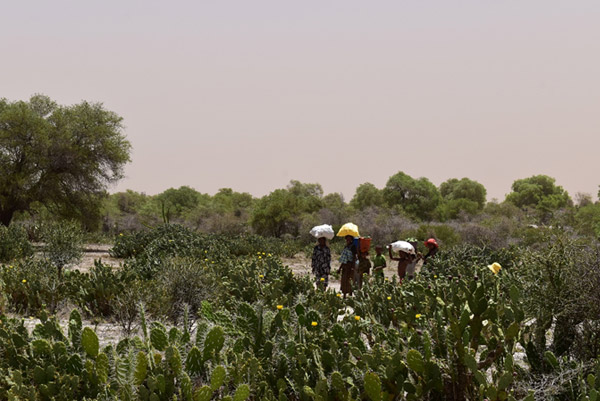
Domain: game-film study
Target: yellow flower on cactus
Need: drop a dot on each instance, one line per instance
(389, 298)
(338, 295)
(418, 316)
(357, 318)
(322, 279)
(23, 281)
(435, 276)
(314, 324)
(269, 255)
(264, 253)
(10, 267)
(120, 234)
(261, 276)
(260, 257)
(280, 307)
(495, 267)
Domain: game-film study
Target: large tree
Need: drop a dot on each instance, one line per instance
(462, 195)
(418, 197)
(367, 195)
(280, 212)
(62, 157)
(540, 192)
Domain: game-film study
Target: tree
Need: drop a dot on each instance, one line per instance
(588, 219)
(229, 201)
(280, 212)
(63, 157)
(367, 195)
(462, 195)
(539, 192)
(464, 189)
(309, 195)
(417, 197)
(274, 214)
(177, 202)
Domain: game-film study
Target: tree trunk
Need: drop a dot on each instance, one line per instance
(6, 217)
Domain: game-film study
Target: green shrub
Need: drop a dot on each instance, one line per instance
(63, 243)
(14, 243)
(30, 285)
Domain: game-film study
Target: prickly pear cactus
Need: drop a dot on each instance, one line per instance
(193, 362)
(217, 378)
(373, 386)
(141, 368)
(204, 393)
(242, 393)
(158, 338)
(214, 342)
(89, 342)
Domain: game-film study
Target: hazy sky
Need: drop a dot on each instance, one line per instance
(251, 94)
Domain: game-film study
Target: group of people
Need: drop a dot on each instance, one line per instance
(354, 264)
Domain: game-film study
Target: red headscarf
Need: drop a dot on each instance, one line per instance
(431, 241)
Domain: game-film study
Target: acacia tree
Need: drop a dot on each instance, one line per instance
(418, 197)
(540, 193)
(279, 212)
(367, 195)
(464, 195)
(62, 157)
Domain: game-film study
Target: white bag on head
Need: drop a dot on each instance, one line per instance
(324, 230)
(403, 246)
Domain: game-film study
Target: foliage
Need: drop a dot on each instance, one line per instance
(14, 243)
(562, 284)
(367, 195)
(418, 197)
(63, 243)
(455, 189)
(246, 328)
(539, 192)
(278, 213)
(60, 156)
(460, 196)
(588, 219)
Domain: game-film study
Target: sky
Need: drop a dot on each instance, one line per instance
(252, 94)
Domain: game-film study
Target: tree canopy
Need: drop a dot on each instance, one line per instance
(62, 157)
(278, 213)
(417, 197)
(367, 195)
(540, 192)
(464, 195)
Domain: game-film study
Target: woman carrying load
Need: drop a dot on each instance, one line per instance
(348, 264)
(321, 263)
(404, 259)
(433, 247)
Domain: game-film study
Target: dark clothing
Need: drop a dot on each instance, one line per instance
(321, 260)
(321, 265)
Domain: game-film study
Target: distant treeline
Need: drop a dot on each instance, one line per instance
(455, 211)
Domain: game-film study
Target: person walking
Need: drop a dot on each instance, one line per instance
(347, 265)
(321, 263)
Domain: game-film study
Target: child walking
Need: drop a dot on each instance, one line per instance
(379, 263)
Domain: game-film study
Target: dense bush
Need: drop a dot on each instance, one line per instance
(14, 243)
(63, 243)
(245, 327)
